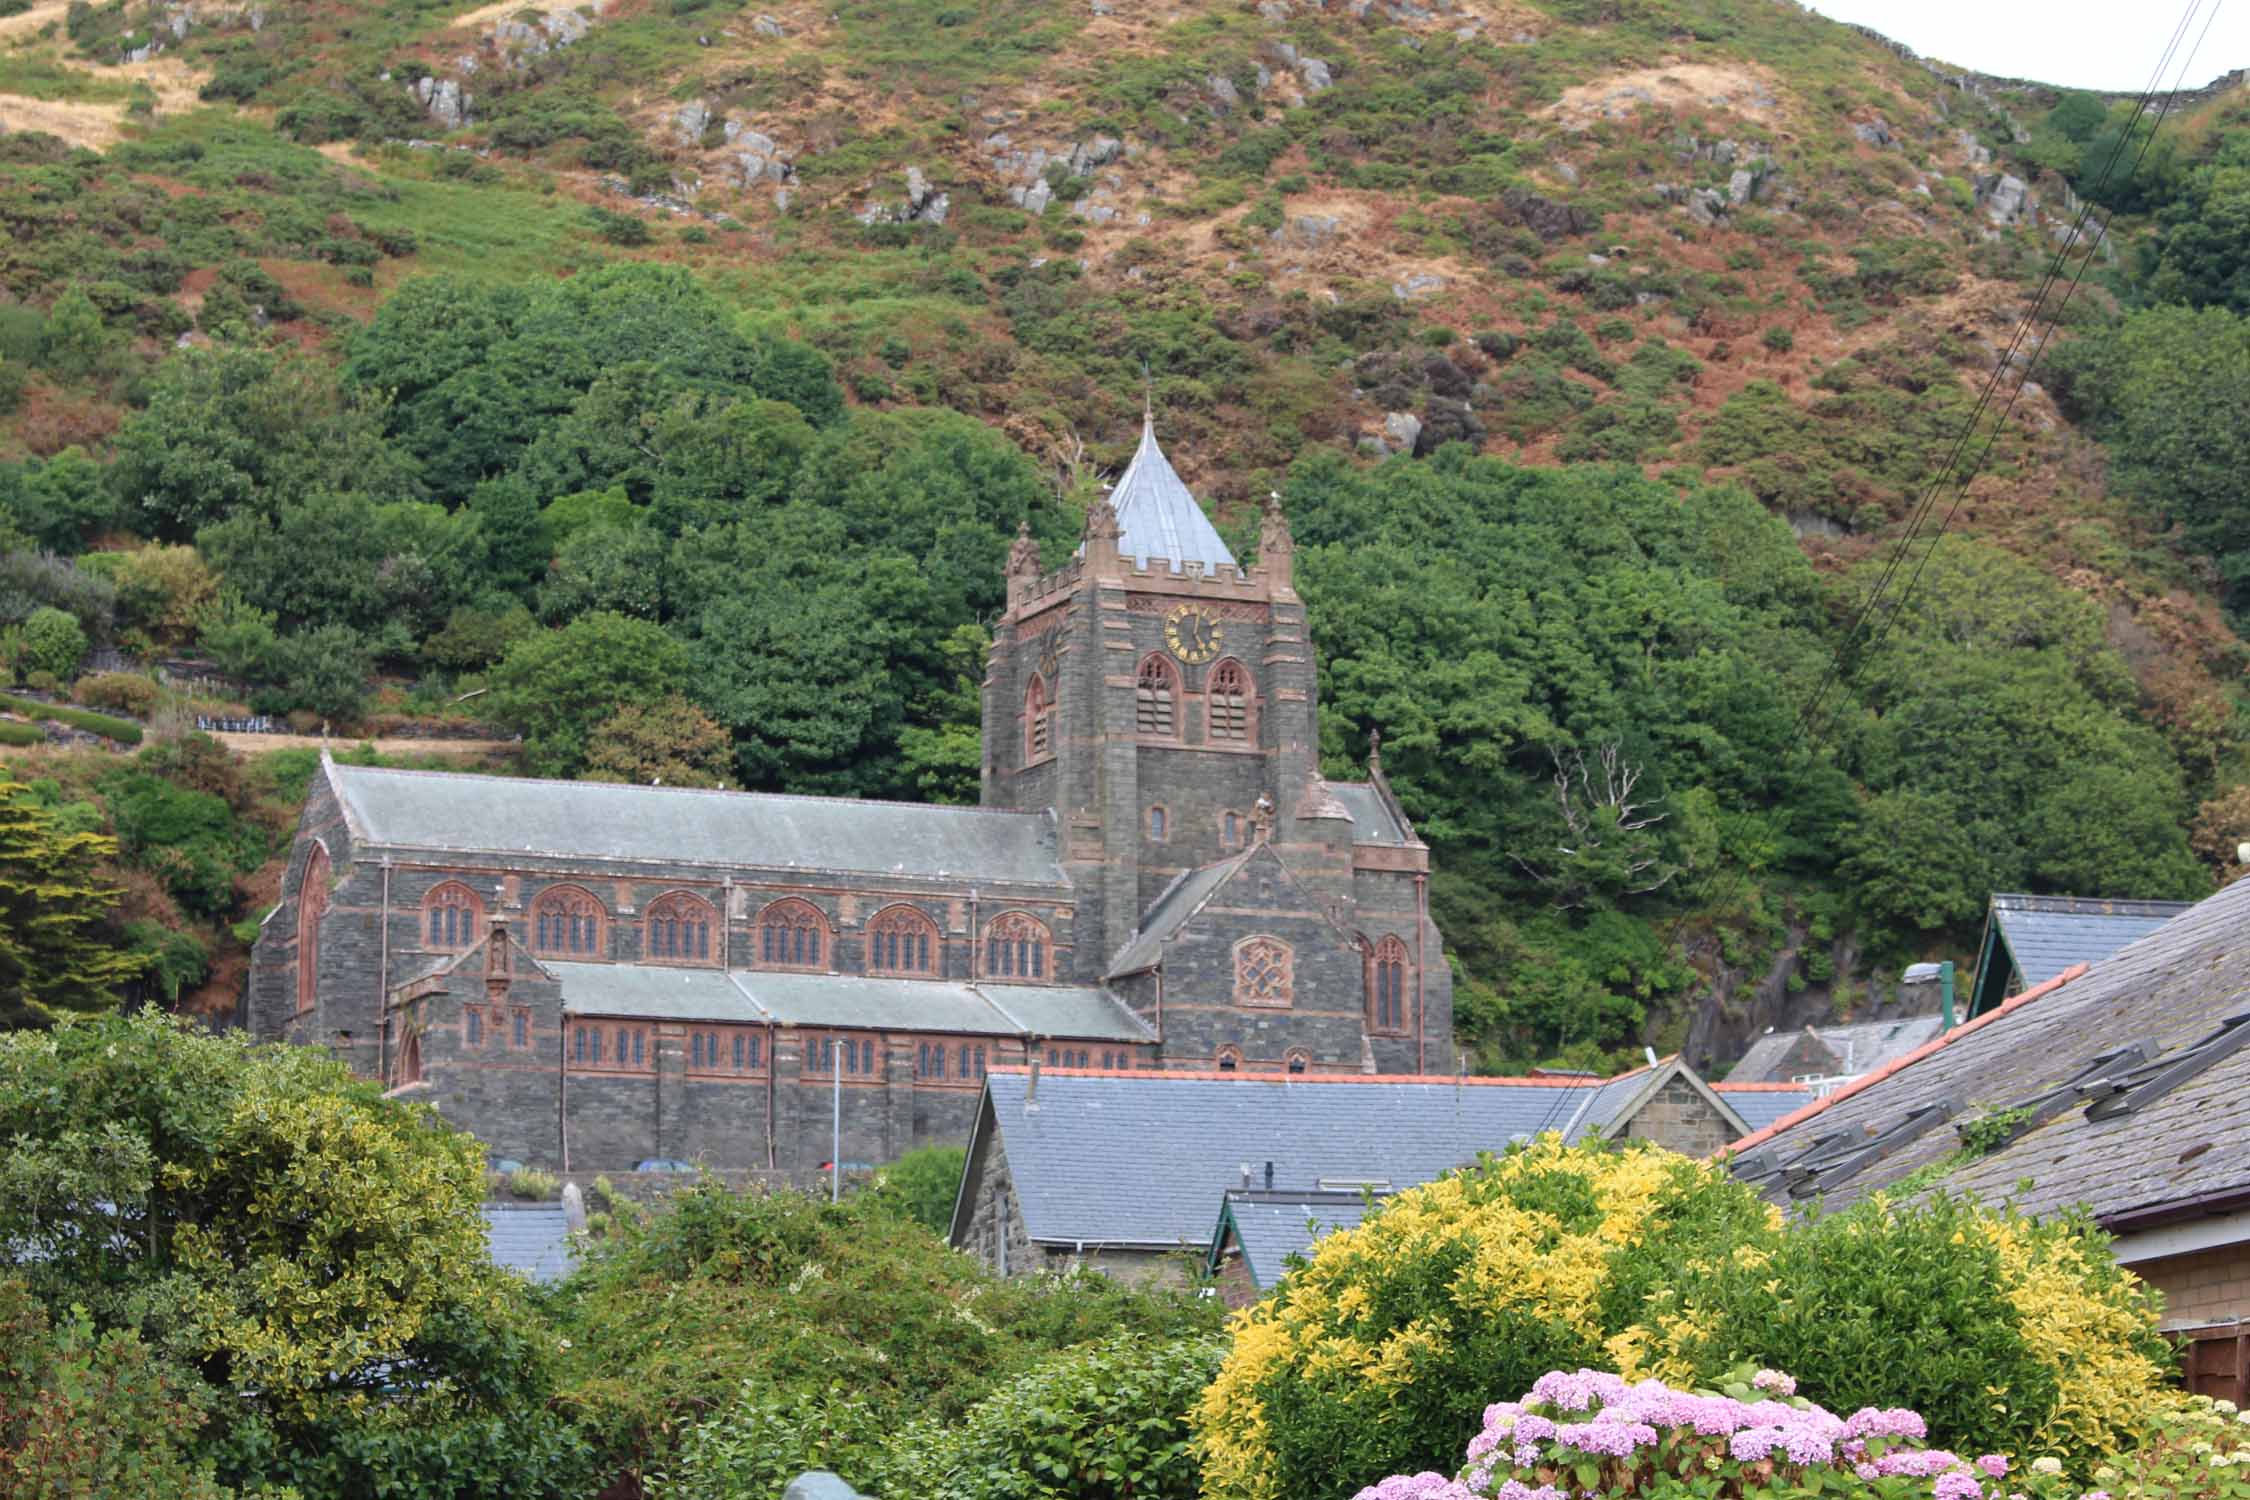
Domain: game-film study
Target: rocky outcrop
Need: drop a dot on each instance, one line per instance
(443, 100)
(1544, 216)
(923, 204)
(513, 43)
(1031, 173)
(2006, 199)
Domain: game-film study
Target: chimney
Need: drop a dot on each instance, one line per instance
(1031, 1089)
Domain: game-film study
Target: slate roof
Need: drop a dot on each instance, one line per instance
(1372, 819)
(1860, 1047)
(1762, 1104)
(451, 811)
(1169, 912)
(531, 1239)
(2167, 992)
(1270, 1227)
(1133, 1159)
(1157, 517)
(2047, 934)
(755, 997)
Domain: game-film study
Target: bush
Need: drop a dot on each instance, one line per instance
(1937, 1306)
(1379, 1354)
(124, 731)
(177, 1186)
(532, 1184)
(1108, 1419)
(773, 1308)
(122, 692)
(52, 643)
(921, 1184)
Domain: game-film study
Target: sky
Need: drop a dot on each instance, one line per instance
(2075, 43)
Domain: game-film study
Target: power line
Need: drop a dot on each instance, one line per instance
(1845, 664)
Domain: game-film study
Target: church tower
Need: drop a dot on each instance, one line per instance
(1159, 697)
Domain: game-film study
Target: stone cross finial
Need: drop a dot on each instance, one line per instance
(1261, 820)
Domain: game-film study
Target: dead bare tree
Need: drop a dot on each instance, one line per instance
(1606, 843)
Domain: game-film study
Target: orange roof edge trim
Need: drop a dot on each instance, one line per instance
(1859, 1085)
(1426, 1079)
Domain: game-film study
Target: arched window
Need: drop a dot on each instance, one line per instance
(1230, 830)
(408, 1069)
(1297, 1060)
(1230, 703)
(792, 934)
(1230, 1059)
(1264, 972)
(568, 923)
(682, 928)
(475, 1021)
(902, 940)
(1387, 974)
(451, 916)
(1156, 824)
(1038, 721)
(1156, 699)
(1015, 947)
(312, 905)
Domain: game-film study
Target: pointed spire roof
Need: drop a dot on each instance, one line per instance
(1157, 516)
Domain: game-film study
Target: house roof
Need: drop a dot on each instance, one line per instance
(2047, 934)
(531, 1239)
(1372, 819)
(1761, 1104)
(453, 811)
(1134, 1159)
(2054, 1052)
(1860, 1047)
(1158, 518)
(667, 992)
(1268, 1228)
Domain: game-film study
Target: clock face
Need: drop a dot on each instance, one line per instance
(1193, 633)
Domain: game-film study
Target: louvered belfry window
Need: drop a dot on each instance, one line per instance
(1156, 699)
(1228, 700)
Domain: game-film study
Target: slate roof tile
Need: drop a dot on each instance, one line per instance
(2047, 934)
(2169, 990)
(1158, 519)
(531, 1239)
(443, 810)
(1271, 1227)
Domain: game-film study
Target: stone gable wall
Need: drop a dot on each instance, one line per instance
(1680, 1118)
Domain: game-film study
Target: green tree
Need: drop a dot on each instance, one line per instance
(306, 1250)
(57, 954)
(60, 502)
(233, 431)
(2169, 391)
(323, 670)
(670, 743)
(53, 643)
(78, 343)
(556, 687)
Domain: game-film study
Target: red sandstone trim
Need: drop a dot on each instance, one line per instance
(1761, 1088)
(1934, 1044)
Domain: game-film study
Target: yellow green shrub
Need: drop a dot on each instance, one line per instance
(1379, 1355)
(2005, 1333)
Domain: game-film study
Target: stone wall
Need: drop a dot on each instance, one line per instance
(1680, 1117)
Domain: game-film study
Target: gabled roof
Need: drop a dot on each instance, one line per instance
(1760, 1104)
(1617, 1100)
(2044, 935)
(1135, 1159)
(1372, 820)
(757, 997)
(2055, 1052)
(1157, 517)
(456, 812)
(1268, 1228)
(1171, 911)
(1860, 1047)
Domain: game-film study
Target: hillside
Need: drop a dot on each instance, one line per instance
(817, 256)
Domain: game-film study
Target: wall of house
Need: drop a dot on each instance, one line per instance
(995, 1232)
(2208, 1286)
(1680, 1118)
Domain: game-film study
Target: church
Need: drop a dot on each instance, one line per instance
(1157, 877)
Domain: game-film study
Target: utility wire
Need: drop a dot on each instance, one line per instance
(1845, 664)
